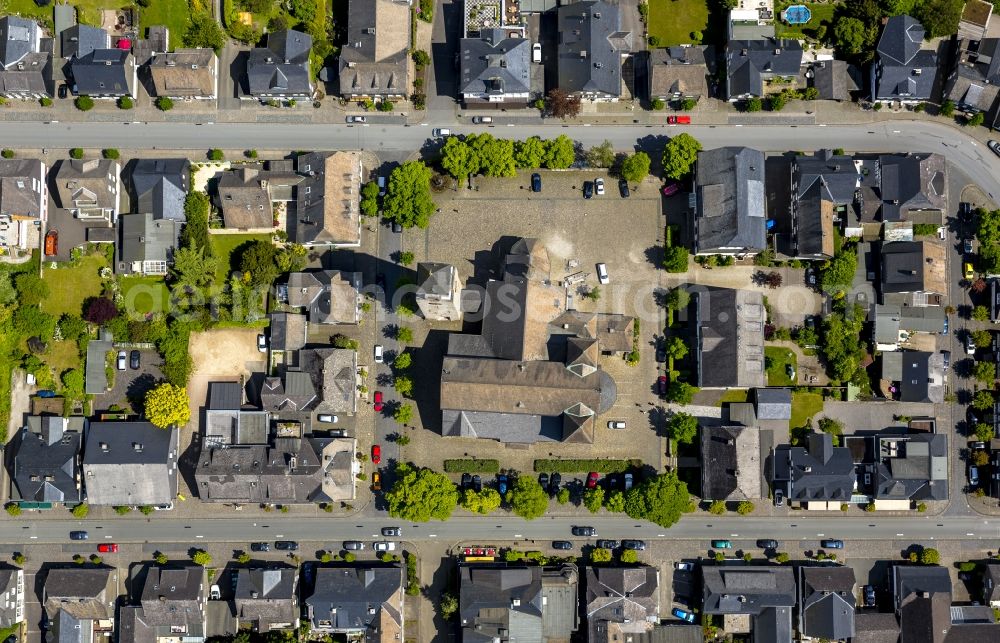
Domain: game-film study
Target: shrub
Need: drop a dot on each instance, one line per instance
(164, 104)
(7, 153)
(84, 103)
(110, 153)
(717, 508)
(13, 509)
(921, 507)
(563, 496)
(19, 558)
(76, 153)
(654, 41)
(745, 507)
(753, 105)
(585, 466)
(472, 466)
(250, 154)
(80, 511)
(201, 557)
(350, 557)
(947, 108)
(45, 101)
(782, 558)
(216, 155)
(658, 104)
(160, 558)
(126, 102)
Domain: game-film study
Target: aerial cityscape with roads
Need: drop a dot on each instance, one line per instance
(499, 321)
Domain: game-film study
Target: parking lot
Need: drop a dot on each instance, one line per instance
(132, 384)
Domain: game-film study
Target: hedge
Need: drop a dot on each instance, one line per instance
(472, 466)
(585, 466)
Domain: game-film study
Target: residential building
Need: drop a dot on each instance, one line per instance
(680, 73)
(130, 463)
(729, 338)
(358, 601)
(907, 187)
(323, 381)
(896, 325)
(991, 585)
(172, 606)
(590, 50)
(90, 189)
(534, 603)
(772, 407)
(147, 245)
(975, 20)
(327, 208)
(25, 59)
(186, 74)
(160, 187)
(82, 40)
(834, 79)
(104, 73)
(289, 333)
(46, 461)
(439, 292)
(623, 603)
(918, 376)
(972, 82)
(24, 202)
(820, 477)
(753, 65)
(11, 595)
(903, 71)
(533, 373)
(751, 598)
(826, 602)
(824, 186)
(245, 195)
(495, 70)
(875, 627)
(375, 59)
(922, 602)
(730, 215)
(731, 463)
(79, 603)
(914, 273)
(909, 467)
(229, 422)
(281, 69)
(266, 598)
(327, 296)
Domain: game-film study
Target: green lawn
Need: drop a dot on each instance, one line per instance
(88, 11)
(733, 395)
(69, 287)
(145, 294)
(62, 356)
(673, 21)
(820, 13)
(172, 13)
(223, 246)
(805, 406)
(778, 359)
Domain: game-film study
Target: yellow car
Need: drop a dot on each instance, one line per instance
(376, 481)
(969, 272)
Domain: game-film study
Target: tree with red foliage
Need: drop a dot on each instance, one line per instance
(562, 105)
(100, 310)
(979, 285)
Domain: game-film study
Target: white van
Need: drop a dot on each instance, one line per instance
(482, 120)
(536, 53)
(442, 132)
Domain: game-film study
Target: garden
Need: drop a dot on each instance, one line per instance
(821, 20)
(676, 22)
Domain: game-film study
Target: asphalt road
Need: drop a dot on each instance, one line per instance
(976, 160)
(696, 527)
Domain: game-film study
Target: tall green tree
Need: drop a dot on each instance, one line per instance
(939, 17)
(204, 32)
(853, 38)
(529, 154)
(459, 159)
(194, 234)
(421, 495)
(192, 268)
(602, 155)
(676, 348)
(408, 201)
(527, 498)
(683, 427)
(679, 156)
(635, 167)
(560, 152)
(496, 155)
(660, 499)
(258, 259)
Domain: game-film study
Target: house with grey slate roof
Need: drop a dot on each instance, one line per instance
(89, 188)
(146, 244)
(172, 605)
(46, 461)
(517, 601)
(79, 603)
(729, 338)
(903, 71)
(375, 59)
(922, 596)
(11, 595)
(991, 584)
(909, 187)
(104, 73)
(281, 68)
(81, 40)
(751, 64)
(914, 273)
(495, 70)
(358, 601)
(289, 333)
(834, 79)
(439, 291)
(24, 201)
(622, 603)
(322, 381)
(160, 187)
(228, 421)
(766, 595)
(912, 466)
(731, 463)
(772, 403)
(973, 84)
(326, 210)
(895, 324)
(25, 59)
(823, 188)
(826, 602)
(918, 375)
(678, 73)
(266, 598)
(590, 50)
(326, 296)
(130, 463)
(822, 473)
(730, 214)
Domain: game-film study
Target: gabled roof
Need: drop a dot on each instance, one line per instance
(920, 375)
(746, 589)
(731, 466)
(375, 57)
(333, 372)
(749, 62)
(731, 210)
(904, 70)
(288, 471)
(281, 67)
(494, 64)
(79, 594)
(87, 184)
(913, 266)
(288, 331)
(327, 201)
(680, 70)
(827, 602)
(911, 182)
(922, 597)
(12, 588)
(911, 467)
(822, 473)
(357, 598)
(328, 296)
(81, 40)
(144, 238)
(161, 185)
(901, 40)
(22, 188)
(835, 79)
(104, 72)
(773, 403)
(729, 338)
(185, 73)
(590, 48)
(267, 596)
(46, 463)
(875, 627)
(130, 463)
(621, 600)
(18, 38)
(171, 597)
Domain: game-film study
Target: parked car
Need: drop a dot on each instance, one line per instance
(376, 481)
(767, 543)
(260, 547)
(536, 182)
(588, 190)
(357, 119)
(678, 120)
(607, 543)
(722, 544)
(628, 481)
(970, 346)
(122, 360)
(354, 545)
(671, 188)
(482, 120)
(602, 274)
(502, 484)
(466, 481)
(682, 566)
(166, 506)
(684, 615)
(133, 360)
(379, 354)
(563, 545)
(592, 479)
(661, 355)
(441, 131)
(599, 186)
(832, 543)
(638, 545)
(543, 480)
(63, 91)
(974, 476)
(327, 419)
(869, 595)
(946, 356)
(623, 189)
(262, 343)
(779, 497)
(396, 227)
(108, 548)
(381, 188)
(51, 242)
(554, 482)
(944, 326)
(536, 52)
(661, 384)
(616, 424)
(376, 454)
(392, 531)
(477, 483)
(286, 545)
(215, 593)
(589, 532)
(993, 145)
(810, 276)
(378, 401)
(969, 272)
(967, 246)
(384, 546)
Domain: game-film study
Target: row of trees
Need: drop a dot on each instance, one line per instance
(485, 154)
(988, 234)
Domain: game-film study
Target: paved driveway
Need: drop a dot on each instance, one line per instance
(131, 385)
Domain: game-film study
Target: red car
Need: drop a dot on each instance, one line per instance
(378, 401)
(592, 479)
(678, 120)
(376, 454)
(108, 548)
(671, 188)
(661, 384)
